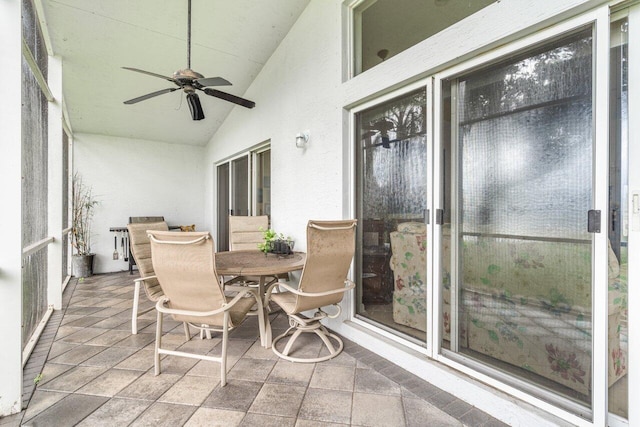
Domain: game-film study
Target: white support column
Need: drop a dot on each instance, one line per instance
(54, 79)
(11, 216)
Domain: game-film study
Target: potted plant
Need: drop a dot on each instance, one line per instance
(275, 243)
(82, 216)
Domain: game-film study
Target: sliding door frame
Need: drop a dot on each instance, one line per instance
(634, 229)
(251, 155)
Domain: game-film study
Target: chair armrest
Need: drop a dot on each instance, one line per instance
(241, 293)
(142, 279)
(349, 285)
(161, 307)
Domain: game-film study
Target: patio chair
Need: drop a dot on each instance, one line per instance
(141, 252)
(135, 220)
(185, 267)
(245, 233)
(330, 249)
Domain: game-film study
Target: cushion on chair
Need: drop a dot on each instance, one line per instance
(412, 227)
(409, 264)
(508, 309)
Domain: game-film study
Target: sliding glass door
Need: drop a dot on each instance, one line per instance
(243, 188)
(392, 210)
(517, 250)
(499, 239)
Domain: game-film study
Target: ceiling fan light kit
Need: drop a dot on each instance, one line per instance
(195, 107)
(190, 81)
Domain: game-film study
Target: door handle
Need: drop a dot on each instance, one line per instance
(593, 221)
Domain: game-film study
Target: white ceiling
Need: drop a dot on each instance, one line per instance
(230, 38)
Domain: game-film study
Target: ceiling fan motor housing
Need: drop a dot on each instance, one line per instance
(187, 75)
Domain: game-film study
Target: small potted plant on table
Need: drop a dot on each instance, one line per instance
(276, 243)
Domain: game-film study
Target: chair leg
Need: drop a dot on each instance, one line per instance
(134, 309)
(205, 332)
(187, 335)
(158, 343)
(223, 356)
(324, 336)
(294, 337)
(294, 332)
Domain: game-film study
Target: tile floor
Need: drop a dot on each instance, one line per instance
(94, 372)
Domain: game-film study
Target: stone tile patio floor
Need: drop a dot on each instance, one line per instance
(94, 372)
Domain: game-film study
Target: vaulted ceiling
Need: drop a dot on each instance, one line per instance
(232, 39)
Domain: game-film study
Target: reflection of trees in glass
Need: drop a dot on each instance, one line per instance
(525, 135)
(395, 120)
(394, 156)
(556, 74)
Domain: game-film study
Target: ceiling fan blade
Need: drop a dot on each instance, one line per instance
(228, 97)
(213, 81)
(368, 134)
(150, 73)
(150, 95)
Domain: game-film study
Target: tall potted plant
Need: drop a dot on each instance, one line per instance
(83, 210)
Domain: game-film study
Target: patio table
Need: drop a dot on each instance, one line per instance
(256, 263)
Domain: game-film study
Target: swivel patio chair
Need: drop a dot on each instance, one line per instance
(185, 267)
(330, 249)
(141, 252)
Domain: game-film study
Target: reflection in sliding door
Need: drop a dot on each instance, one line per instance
(223, 206)
(392, 202)
(240, 186)
(516, 252)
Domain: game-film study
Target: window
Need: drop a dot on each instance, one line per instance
(383, 28)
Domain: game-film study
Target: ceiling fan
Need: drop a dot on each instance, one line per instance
(190, 81)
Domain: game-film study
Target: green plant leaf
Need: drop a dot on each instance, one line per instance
(37, 379)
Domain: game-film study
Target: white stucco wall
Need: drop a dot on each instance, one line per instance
(297, 90)
(138, 178)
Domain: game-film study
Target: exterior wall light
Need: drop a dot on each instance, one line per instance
(302, 139)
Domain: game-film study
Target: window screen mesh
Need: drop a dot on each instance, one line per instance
(34, 177)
